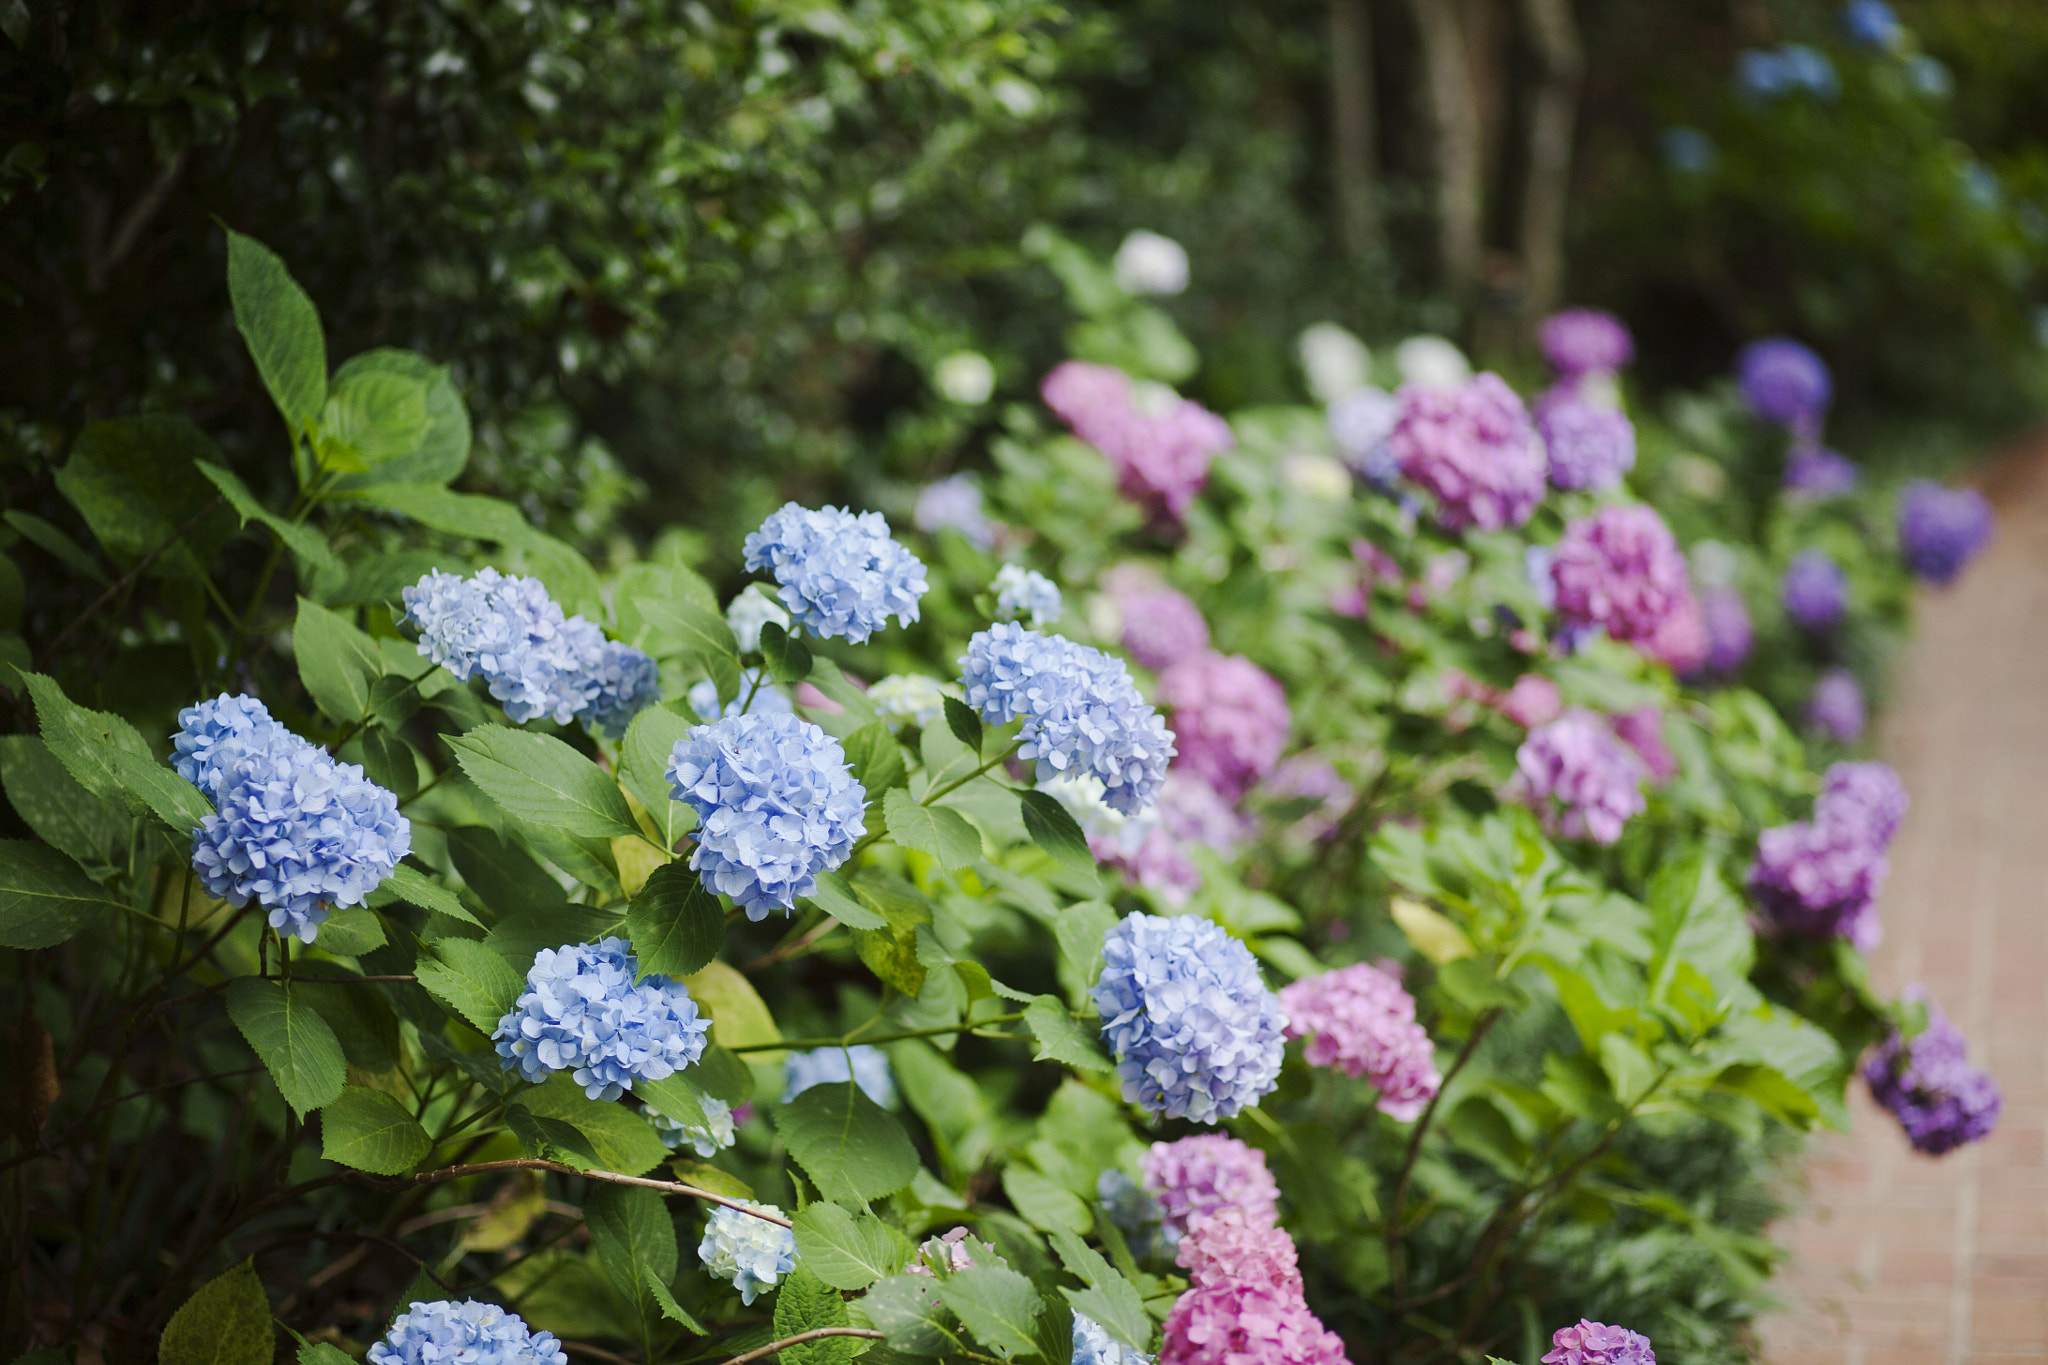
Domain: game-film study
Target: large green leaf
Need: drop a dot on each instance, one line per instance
(875, 757)
(136, 482)
(372, 417)
(937, 830)
(407, 883)
(109, 758)
(371, 1131)
(630, 1231)
(907, 1311)
(804, 1303)
(643, 767)
(623, 1140)
(1110, 1299)
(847, 1251)
(1053, 828)
(291, 1040)
(45, 898)
(1061, 1037)
(999, 1306)
(337, 662)
(676, 925)
(471, 979)
(61, 811)
(226, 1323)
(542, 781)
(850, 1146)
(503, 875)
(836, 897)
(441, 448)
(302, 540)
(282, 330)
(456, 514)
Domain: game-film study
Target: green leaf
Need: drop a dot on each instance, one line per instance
(675, 924)
(302, 540)
(362, 1020)
(1061, 1037)
(407, 883)
(352, 932)
(937, 830)
(552, 1139)
(55, 543)
(665, 1300)
(470, 515)
(471, 979)
(696, 629)
(999, 1306)
(282, 330)
(109, 758)
(542, 781)
(371, 417)
(1044, 1202)
(630, 1230)
(226, 1323)
(502, 874)
(623, 1140)
(291, 1040)
(441, 448)
(45, 898)
(675, 1096)
(847, 1251)
(388, 760)
(876, 758)
(373, 1132)
(722, 1074)
(826, 677)
(1081, 930)
(835, 896)
(739, 1016)
(1109, 1298)
(1053, 828)
(323, 1353)
(644, 755)
(850, 1146)
(53, 804)
(906, 1309)
(806, 1302)
(789, 658)
(337, 662)
(964, 722)
(134, 481)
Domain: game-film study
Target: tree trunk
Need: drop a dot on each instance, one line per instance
(1553, 112)
(1353, 163)
(1454, 115)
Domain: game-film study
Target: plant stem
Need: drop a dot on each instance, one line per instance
(814, 1334)
(118, 585)
(847, 1041)
(1396, 1262)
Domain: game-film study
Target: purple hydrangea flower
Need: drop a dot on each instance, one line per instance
(1941, 529)
(1820, 879)
(1582, 340)
(582, 1012)
(1582, 780)
(842, 576)
(1729, 632)
(1154, 851)
(1591, 445)
(1195, 1032)
(1160, 626)
(954, 504)
(1929, 1085)
(1643, 731)
(1815, 590)
(214, 735)
(1867, 797)
(472, 1333)
(1621, 570)
(1836, 706)
(1159, 443)
(1198, 1177)
(1474, 448)
(1230, 719)
(1818, 473)
(1595, 1343)
(1361, 1020)
(1784, 382)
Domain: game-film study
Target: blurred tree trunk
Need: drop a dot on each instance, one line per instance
(1553, 112)
(1354, 165)
(1459, 154)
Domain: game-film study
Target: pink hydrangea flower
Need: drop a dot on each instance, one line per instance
(948, 1249)
(1474, 448)
(1230, 719)
(1244, 1323)
(1161, 627)
(1582, 780)
(1154, 853)
(1160, 448)
(1227, 1245)
(1199, 1176)
(1595, 1343)
(1360, 1020)
(1620, 569)
(1643, 730)
(1534, 700)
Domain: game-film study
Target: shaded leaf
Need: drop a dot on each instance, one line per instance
(226, 1323)
(850, 1146)
(937, 830)
(540, 780)
(291, 1040)
(282, 330)
(371, 1131)
(676, 925)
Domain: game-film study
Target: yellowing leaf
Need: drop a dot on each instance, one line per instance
(1435, 937)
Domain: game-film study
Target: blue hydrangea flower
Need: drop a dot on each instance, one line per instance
(626, 683)
(828, 1066)
(582, 1013)
(751, 1252)
(705, 1139)
(841, 574)
(213, 735)
(468, 1333)
(775, 803)
(1871, 23)
(1081, 711)
(768, 699)
(301, 834)
(1195, 1032)
(1022, 592)
(1134, 1210)
(1094, 1346)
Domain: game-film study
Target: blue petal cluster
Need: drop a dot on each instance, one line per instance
(751, 1252)
(768, 698)
(582, 1013)
(1081, 711)
(1094, 1346)
(300, 833)
(841, 574)
(828, 1066)
(214, 735)
(1022, 592)
(775, 803)
(1195, 1032)
(536, 661)
(468, 1333)
(706, 1138)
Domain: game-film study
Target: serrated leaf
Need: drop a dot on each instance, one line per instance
(876, 758)
(371, 1131)
(699, 630)
(906, 1309)
(630, 1230)
(999, 1306)
(542, 781)
(291, 1040)
(226, 1323)
(1061, 1037)
(674, 1096)
(471, 979)
(282, 330)
(1110, 1299)
(407, 883)
(851, 1147)
(845, 1251)
(964, 722)
(1044, 1202)
(788, 657)
(108, 757)
(551, 1139)
(623, 1140)
(45, 898)
(337, 662)
(836, 897)
(804, 1303)
(1053, 828)
(302, 540)
(644, 756)
(938, 830)
(60, 810)
(676, 925)
(721, 1074)
(376, 415)
(135, 481)
(665, 1302)
(442, 446)
(739, 1016)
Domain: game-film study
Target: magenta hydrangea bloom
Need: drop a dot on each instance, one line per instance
(1595, 1343)
(1591, 445)
(1239, 1322)
(1643, 730)
(1836, 706)
(1160, 626)
(1230, 719)
(1232, 1245)
(1730, 634)
(1361, 1021)
(1820, 879)
(1930, 1087)
(1621, 570)
(1815, 590)
(1200, 1176)
(1474, 448)
(1784, 382)
(1866, 796)
(1159, 443)
(1941, 529)
(1580, 340)
(1583, 782)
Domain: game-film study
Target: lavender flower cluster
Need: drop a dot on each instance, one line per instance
(841, 574)
(1230, 719)
(1159, 443)
(1199, 1177)
(1474, 449)
(1595, 1343)
(1928, 1084)
(1583, 781)
(1786, 383)
(1820, 878)
(1941, 529)
(1815, 591)
(1620, 570)
(1360, 1020)
(582, 1012)
(1160, 626)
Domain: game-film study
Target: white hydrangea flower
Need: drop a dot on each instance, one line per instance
(1148, 263)
(1432, 362)
(1022, 592)
(751, 1252)
(911, 696)
(753, 608)
(965, 377)
(1335, 361)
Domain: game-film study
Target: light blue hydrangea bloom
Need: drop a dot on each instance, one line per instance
(912, 697)
(1081, 711)
(582, 1013)
(754, 608)
(707, 1138)
(1133, 1209)
(1022, 592)
(769, 700)
(621, 682)
(841, 574)
(751, 1252)
(828, 1066)
(214, 734)
(301, 834)
(1094, 1346)
(775, 806)
(1195, 1032)
(468, 1333)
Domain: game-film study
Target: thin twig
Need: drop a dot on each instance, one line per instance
(584, 1348)
(528, 1163)
(813, 1335)
(966, 1026)
(1396, 1262)
(115, 588)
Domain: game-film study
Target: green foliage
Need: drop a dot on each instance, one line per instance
(226, 1323)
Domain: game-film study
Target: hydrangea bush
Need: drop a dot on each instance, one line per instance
(1364, 914)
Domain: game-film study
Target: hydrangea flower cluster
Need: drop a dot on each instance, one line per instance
(757, 696)
(1871, 23)
(1815, 590)
(1817, 473)
(1360, 423)
(1643, 731)
(1246, 1305)
(1195, 1032)
(1595, 1343)
(215, 735)
(1159, 443)
(536, 661)
(1230, 719)
(1784, 382)
(776, 805)
(295, 830)
(954, 504)
(1868, 796)
(1836, 707)
(1199, 1177)
(1152, 850)
(1585, 340)
(1081, 711)
(1929, 1085)
(1789, 68)
(866, 1066)
(706, 1139)
(1022, 592)
(1820, 878)
(1160, 627)
(1360, 1020)
(1591, 445)
(471, 1333)
(1582, 780)
(754, 608)
(751, 1252)
(910, 696)
(1473, 448)
(842, 576)
(1941, 529)
(1730, 635)
(1094, 1346)
(1148, 263)
(581, 1012)
(1621, 570)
